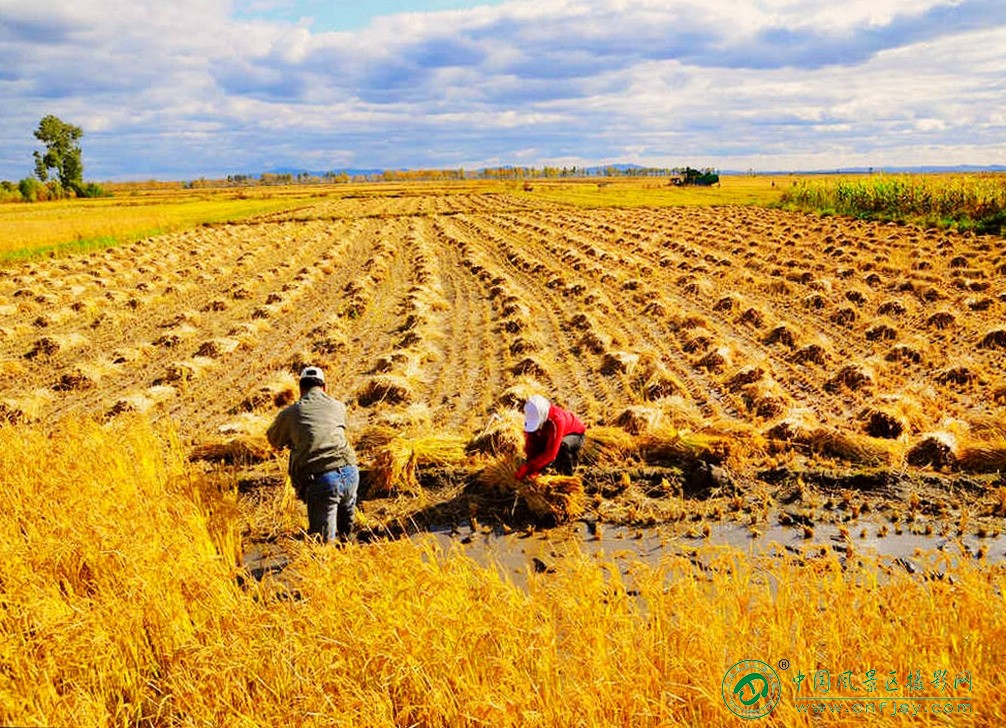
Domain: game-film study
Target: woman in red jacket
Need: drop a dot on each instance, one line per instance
(552, 436)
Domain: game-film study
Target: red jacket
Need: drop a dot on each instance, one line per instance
(542, 445)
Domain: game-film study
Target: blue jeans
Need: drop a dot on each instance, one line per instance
(331, 503)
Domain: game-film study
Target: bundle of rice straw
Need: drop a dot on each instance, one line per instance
(985, 458)
(502, 435)
(935, 449)
(672, 444)
(439, 450)
(560, 497)
(855, 448)
(637, 419)
(394, 471)
(498, 476)
(607, 446)
(394, 466)
(240, 450)
(374, 437)
(514, 396)
(279, 391)
(387, 388)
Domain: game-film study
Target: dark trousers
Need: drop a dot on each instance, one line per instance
(569, 455)
(331, 503)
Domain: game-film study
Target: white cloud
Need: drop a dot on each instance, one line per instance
(181, 89)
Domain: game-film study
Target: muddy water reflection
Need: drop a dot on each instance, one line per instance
(518, 554)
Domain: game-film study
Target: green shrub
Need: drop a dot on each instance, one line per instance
(56, 190)
(92, 189)
(9, 192)
(32, 190)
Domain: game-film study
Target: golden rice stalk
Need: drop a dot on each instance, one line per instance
(638, 419)
(560, 497)
(395, 465)
(934, 449)
(855, 448)
(241, 450)
(25, 409)
(134, 402)
(983, 458)
(278, 391)
(801, 429)
(607, 446)
(375, 437)
(515, 395)
(215, 348)
(388, 388)
(394, 471)
(660, 384)
(988, 428)
(668, 443)
(437, 450)
(246, 423)
(618, 362)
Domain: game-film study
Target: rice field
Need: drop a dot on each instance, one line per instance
(125, 604)
(77, 226)
(736, 364)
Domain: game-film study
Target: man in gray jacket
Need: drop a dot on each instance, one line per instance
(322, 462)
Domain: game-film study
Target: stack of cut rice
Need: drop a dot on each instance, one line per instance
(558, 497)
(395, 463)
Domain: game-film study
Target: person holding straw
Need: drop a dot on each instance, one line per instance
(552, 437)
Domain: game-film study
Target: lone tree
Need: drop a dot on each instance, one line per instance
(62, 153)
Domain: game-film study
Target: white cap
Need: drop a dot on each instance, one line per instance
(313, 373)
(535, 412)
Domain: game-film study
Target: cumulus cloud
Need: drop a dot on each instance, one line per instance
(184, 89)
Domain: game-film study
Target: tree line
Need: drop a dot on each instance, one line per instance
(59, 171)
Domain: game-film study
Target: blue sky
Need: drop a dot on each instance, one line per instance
(194, 88)
(326, 15)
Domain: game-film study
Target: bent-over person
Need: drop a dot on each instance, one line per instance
(323, 467)
(552, 437)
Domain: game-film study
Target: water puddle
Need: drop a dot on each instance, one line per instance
(517, 554)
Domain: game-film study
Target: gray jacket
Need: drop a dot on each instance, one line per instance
(314, 428)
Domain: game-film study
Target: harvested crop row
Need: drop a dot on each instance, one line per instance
(784, 331)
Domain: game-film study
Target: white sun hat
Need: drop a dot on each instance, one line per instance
(313, 373)
(535, 412)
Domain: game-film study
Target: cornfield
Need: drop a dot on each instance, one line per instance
(969, 202)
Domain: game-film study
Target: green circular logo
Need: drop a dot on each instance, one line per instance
(751, 689)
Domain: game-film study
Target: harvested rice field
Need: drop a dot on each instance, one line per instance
(787, 414)
(730, 356)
